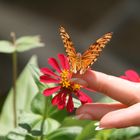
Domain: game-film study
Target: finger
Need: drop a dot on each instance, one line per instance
(95, 111)
(119, 89)
(122, 118)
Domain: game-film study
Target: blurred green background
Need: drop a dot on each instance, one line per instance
(85, 21)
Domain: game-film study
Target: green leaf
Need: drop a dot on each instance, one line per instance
(88, 132)
(20, 134)
(104, 134)
(28, 137)
(71, 121)
(21, 44)
(57, 114)
(88, 126)
(33, 122)
(50, 125)
(28, 42)
(6, 47)
(29, 120)
(125, 133)
(77, 103)
(17, 134)
(3, 138)
(38, 105)
(36, 75)
(65, 133)
(26, 90)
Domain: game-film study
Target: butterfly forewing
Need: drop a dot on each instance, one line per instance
(70, 50)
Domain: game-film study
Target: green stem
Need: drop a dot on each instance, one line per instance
(44, 117)
(14, 87)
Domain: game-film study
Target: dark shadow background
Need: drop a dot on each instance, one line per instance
(85, 21)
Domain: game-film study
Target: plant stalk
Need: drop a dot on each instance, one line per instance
(14, 87)
(44, 117)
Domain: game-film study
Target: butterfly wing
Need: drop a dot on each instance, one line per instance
(70, 50)
(90, 56)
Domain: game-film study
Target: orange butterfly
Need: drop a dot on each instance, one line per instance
(81, 62)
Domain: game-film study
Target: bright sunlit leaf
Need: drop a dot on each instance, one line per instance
(28, 42)
(6, 47)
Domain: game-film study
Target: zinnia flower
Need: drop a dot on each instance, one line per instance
(131, 75)
(64, 85)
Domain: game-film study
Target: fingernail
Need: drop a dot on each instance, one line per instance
(79, 81)
(87, 117)
(98, 128)
(83, 116)
(77, 117)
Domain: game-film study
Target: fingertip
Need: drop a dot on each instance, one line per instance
(122, 118)
(77, 112)
(80, 110)
(93, 79)
(81, 114)
(84, 113)
(113, 119)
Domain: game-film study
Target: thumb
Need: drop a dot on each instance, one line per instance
(122, 118)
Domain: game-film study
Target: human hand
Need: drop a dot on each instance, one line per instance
(124, 113)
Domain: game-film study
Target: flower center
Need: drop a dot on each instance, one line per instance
(66, 81)
(76, 87)
(65, 75)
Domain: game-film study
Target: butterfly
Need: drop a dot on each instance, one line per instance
(79, 63)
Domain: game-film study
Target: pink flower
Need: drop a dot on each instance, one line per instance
(64, 86)
(131, 75)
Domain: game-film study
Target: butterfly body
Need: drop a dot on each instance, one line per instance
(79, 63)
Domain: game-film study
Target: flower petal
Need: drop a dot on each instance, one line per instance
(83, 97)
(62, 101)
(64, 61)
(61, 104)
(54, 64)
(59, 100)
(48, 72)
(124, 77)
(50, 91)
(55, 99)
(70, 105)
(132, 76)
(47, 79)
